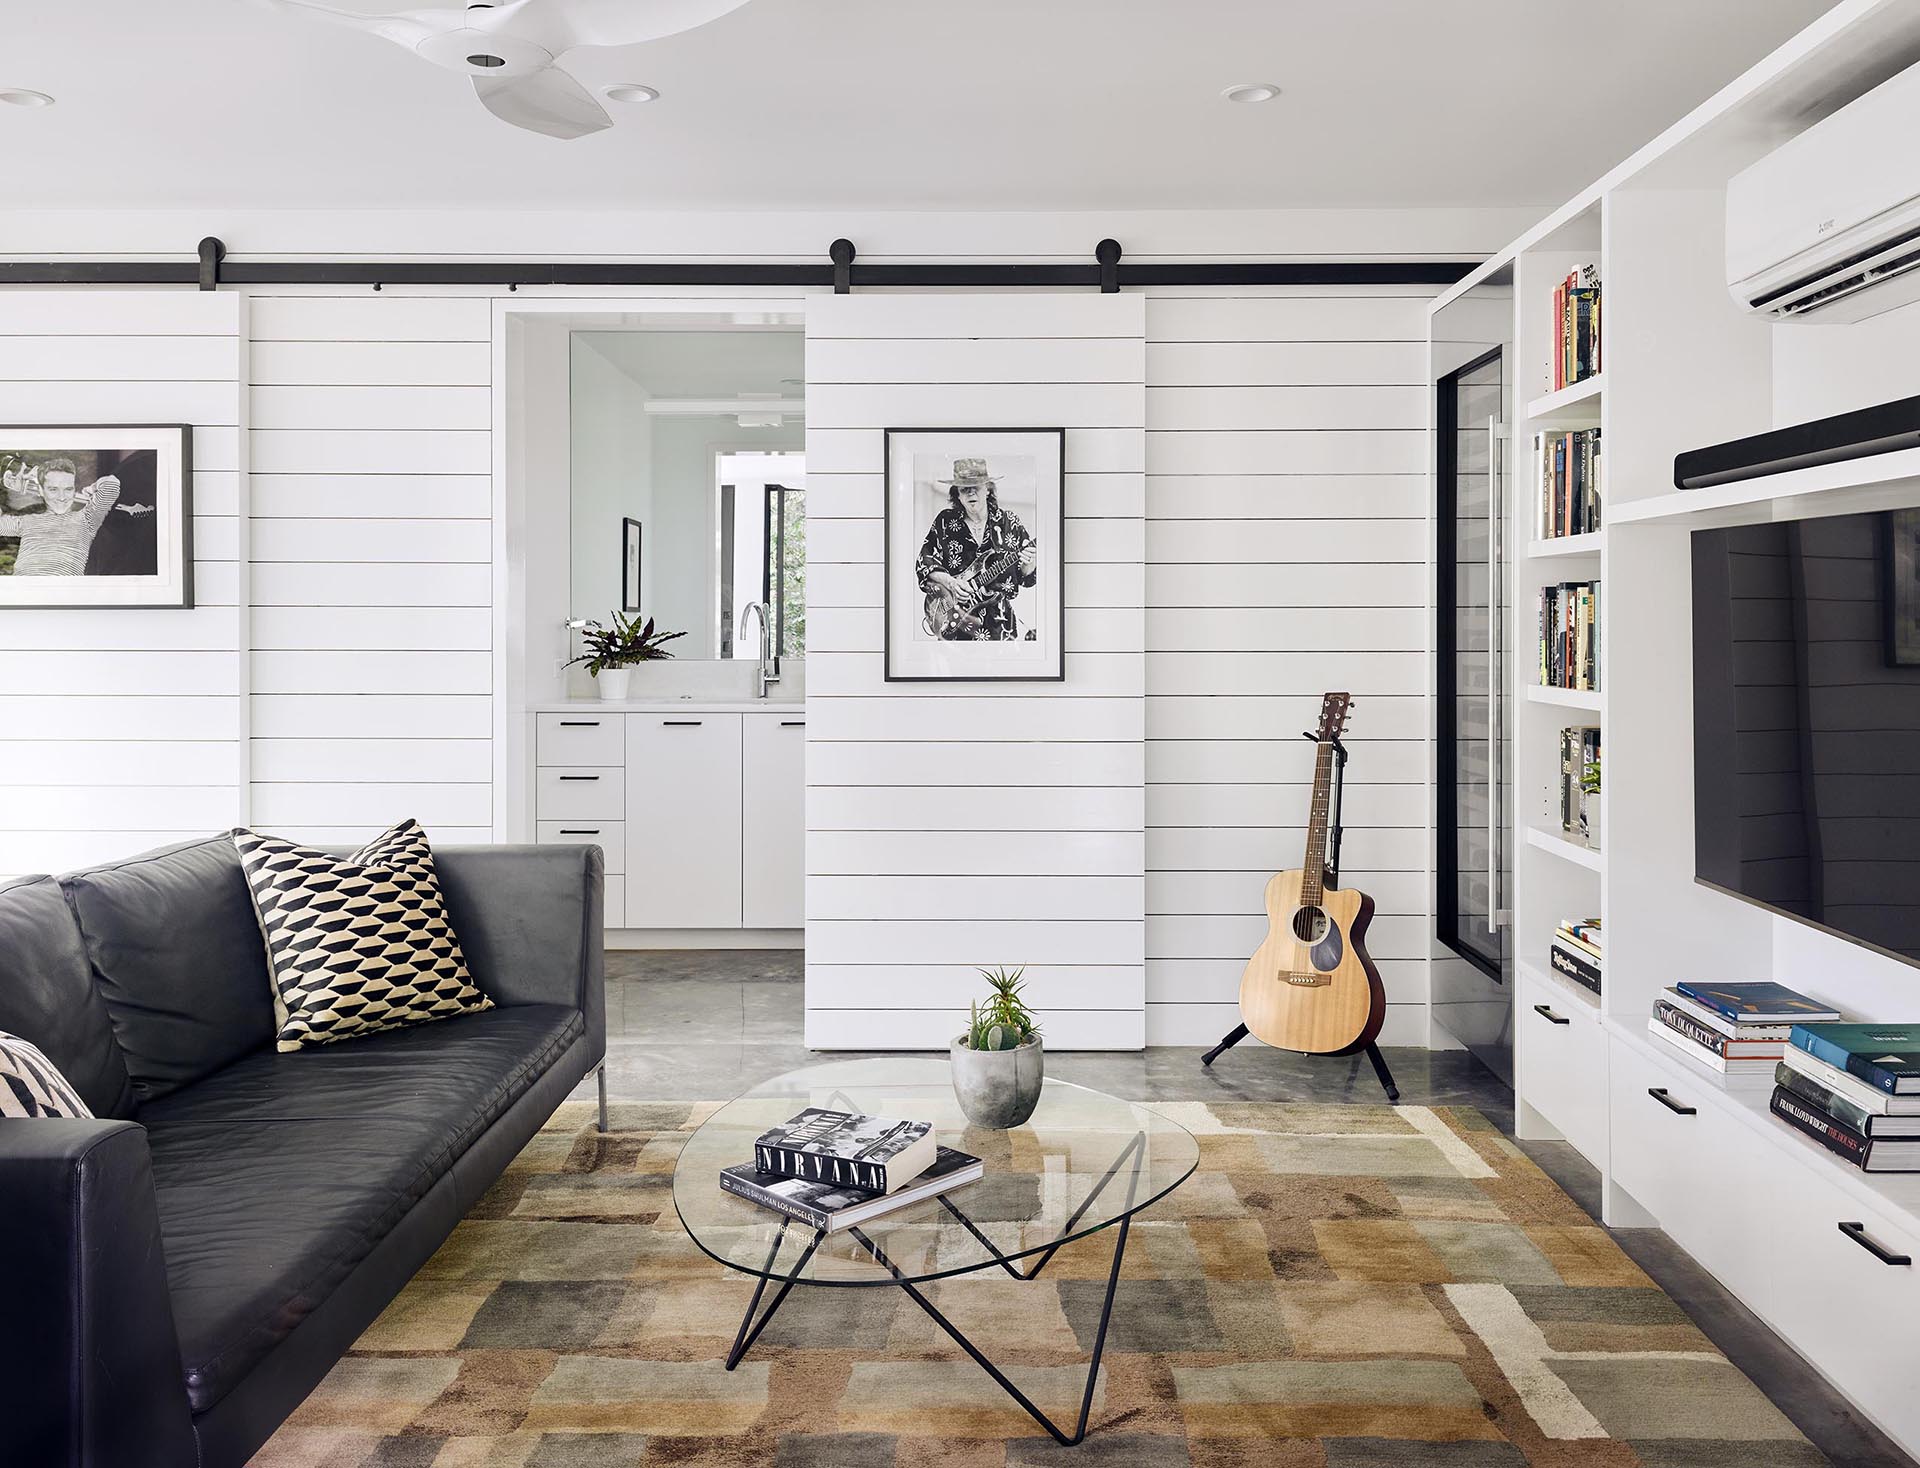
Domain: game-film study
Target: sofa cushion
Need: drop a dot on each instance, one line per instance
(178, 959)
(47, 994)
(276, 1177)
(31, 1086)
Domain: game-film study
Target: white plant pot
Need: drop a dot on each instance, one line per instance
(613, 683)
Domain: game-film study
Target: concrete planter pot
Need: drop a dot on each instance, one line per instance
(998, 1089)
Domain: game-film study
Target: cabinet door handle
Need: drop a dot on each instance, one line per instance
(579, 831)
(680, 723)
(579, 723)
(1549, 1016)
(1858, 1233)
(1659, 1093)
(793, 723)
(579, 777)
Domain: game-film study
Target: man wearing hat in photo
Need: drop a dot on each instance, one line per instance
(974, 561)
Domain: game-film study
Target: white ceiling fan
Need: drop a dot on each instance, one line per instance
(512, 50)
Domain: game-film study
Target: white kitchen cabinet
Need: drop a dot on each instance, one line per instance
(773, 779)
(683, 801)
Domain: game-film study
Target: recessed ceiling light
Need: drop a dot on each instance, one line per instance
(1251, 92)
(21, 97)
(632, 92)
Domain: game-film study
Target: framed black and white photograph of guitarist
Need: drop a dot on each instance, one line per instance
(974, 518)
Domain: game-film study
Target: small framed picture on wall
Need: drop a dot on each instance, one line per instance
(96, 516)
(973, 577)
(629, 565)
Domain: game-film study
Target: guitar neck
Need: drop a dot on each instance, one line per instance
(1313, 865)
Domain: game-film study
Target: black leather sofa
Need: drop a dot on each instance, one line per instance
(176, 1276)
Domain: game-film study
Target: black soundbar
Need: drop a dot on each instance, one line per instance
(1883, 429)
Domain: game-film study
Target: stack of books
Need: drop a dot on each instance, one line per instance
(1576, 315)
(834, 1169)
(1570, 635)
(1579, 758)
(1574, 952)
(1855, 1089)
(1740, 1030)
(1568, 471)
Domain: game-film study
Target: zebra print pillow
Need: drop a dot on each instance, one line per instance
(31, 1085)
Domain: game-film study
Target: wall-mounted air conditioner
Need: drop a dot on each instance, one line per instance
(1828, 226)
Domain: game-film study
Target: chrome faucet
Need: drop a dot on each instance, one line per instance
(759, 610)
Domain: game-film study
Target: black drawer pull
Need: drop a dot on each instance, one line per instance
(680, 723)
(1659, 1093)
(1549, 1016)
(1858, 1233)
(579, 723)
(793, 723)
(579, 831)
(579, 777)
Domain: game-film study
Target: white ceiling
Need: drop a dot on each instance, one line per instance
(969, 104)
(705, 364)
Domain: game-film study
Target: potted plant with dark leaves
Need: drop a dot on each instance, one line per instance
(998, 1063)
(614, 649)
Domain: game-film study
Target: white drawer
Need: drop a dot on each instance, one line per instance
(613, 913)
(609, 836)
(585, 738)
(1560, 1064)
(580, 793)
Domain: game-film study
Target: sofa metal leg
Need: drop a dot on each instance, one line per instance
(600, 1075)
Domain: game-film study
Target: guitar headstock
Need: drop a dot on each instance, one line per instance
(1334, 708)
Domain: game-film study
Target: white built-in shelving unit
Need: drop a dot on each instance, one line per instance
(1685, 366)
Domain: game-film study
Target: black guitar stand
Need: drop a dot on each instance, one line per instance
(1372, 1050)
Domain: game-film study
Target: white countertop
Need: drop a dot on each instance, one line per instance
(790, 707)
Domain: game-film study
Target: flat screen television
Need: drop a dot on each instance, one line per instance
(1806, 721)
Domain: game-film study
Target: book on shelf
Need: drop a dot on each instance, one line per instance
(832, 1207)
(1574, 951)
(1568, 468)
(1759, 1068)
(1579, 752)
(1870, 1154)
(1576, 314)
(1846, 1083)
(1714, 1041)
(1733, 1029)
(1570, 635)
(878, 1153)
(1885, 1056)
(1871, 1121)
(1757, 1003)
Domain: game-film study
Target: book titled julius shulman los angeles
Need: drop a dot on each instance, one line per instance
(832, 1207)
(878, 1153)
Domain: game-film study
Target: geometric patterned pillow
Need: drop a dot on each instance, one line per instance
(31, 1086)
(355, 943)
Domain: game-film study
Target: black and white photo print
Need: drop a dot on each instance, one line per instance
(96, 517)
(974, 518)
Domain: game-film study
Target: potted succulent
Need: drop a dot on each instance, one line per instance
(613, 650)
(998, 1063)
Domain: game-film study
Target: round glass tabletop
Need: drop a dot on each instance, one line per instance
(1085, 1160)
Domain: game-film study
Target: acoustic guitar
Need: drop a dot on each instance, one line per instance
(1311, 986)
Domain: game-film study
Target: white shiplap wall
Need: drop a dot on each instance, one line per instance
(372, 548)
(1286, 556)
(957, 825)
(123, 729)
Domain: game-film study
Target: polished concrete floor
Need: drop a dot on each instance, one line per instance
(684, 1026)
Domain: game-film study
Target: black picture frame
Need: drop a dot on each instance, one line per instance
(1053, 529)
(631, 543)
(170, 586)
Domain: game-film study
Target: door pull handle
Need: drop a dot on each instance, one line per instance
(1659, 1093)
(1549, 1016)
(1858, 1233)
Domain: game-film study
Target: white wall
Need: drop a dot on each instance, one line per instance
(610, 478)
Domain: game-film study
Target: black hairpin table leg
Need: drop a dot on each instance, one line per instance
(746, 1337)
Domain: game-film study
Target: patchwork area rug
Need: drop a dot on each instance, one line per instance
(1336, 1287)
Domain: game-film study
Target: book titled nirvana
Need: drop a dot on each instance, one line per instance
(846, 1148)
(1758, 1003)
(1884, 1056)
(831, 1207)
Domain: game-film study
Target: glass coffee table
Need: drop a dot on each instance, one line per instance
(1084, 1162)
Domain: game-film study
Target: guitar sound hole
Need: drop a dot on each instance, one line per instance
(1309, 924)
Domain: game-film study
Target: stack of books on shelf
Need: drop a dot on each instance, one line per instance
(1740, 1030)
(1569, 477)
(1574, 952)
(1855, 1089)
(1580, 784)
(1570, 635)
(834, 1169)
(1576, 313)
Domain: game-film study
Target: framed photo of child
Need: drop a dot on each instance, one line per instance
(96, 516)
(973, 576)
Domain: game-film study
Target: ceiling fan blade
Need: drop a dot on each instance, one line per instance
(545, 101)
(408, 28)
(560, 24)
